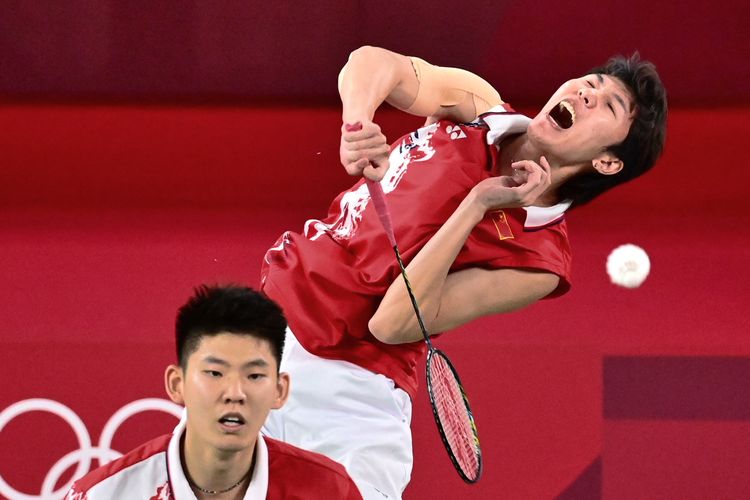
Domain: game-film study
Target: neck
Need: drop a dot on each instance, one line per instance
(515, 148)
(208, 470)
(518, 147)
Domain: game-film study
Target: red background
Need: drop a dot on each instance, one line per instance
(122, 188)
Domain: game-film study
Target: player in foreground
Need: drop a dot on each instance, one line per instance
(229, 344)
(478, 198)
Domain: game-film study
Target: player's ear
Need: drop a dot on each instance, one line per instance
(607, 163)
(282, 390)
(174, 378)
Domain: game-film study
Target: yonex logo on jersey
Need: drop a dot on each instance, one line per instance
(501, 224)
(455, 132)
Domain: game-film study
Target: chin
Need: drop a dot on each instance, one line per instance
(233, 443)
(535, 134)
(232, 447)
(538, 125)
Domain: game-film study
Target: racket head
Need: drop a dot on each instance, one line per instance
(453, 416)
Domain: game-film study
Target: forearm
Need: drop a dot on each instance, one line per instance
(395, 320)
(370, 77)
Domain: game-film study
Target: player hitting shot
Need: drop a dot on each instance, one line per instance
(478, 198)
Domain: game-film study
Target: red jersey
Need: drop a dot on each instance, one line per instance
(154, 471)
(330, 279)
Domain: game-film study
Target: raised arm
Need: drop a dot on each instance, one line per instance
(374, 75)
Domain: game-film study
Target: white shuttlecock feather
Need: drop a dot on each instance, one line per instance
(628, 266)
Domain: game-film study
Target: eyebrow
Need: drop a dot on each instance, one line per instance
(253, 363)
(618, 98)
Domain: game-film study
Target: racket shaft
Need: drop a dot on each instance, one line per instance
(378, 199)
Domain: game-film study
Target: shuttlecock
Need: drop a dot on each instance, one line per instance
(628, 265)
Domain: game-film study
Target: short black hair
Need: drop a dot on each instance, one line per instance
(215, 309)
(645, 140)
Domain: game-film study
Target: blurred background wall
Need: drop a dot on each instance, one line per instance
(146, 147)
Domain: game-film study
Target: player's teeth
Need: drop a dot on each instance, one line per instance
(569, 107)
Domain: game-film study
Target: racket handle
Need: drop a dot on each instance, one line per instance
(378, 200)
(377, 196)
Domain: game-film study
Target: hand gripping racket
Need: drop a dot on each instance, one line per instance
(450, 406)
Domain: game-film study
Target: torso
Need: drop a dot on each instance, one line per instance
(330, 280)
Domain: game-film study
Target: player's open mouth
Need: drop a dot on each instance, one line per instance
(232, 421)
(563, 115)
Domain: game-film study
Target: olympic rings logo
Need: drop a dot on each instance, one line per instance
(86, 452)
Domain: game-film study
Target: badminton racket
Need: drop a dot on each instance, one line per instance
(450, 405)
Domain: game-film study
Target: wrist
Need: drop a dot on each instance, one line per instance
(474, 206)
(351, 115)
(471, 209)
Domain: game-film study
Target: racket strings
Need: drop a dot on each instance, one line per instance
(455, 419)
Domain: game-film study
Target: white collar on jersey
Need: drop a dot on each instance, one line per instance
(257, 490)
(503, 121)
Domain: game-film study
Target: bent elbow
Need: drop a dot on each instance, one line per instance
(379, 330)
(547, 284)
(364, 51)
(383, 330)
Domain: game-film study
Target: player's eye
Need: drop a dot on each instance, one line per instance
(212, 373)
(611, 108)
(591, 84)
(256, 376)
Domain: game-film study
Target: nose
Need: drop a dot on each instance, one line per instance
(233, 391)
(588, 96)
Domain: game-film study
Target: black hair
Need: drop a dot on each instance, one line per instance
(215, 309)
(645, 140)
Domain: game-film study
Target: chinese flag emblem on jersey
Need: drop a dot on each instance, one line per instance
(501, 224)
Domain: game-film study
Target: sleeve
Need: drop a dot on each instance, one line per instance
(499, 240)
(441, 86)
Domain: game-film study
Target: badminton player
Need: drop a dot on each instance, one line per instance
(478, 198)
(229, 344)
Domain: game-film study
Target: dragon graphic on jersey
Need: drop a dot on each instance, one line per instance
(416, 147)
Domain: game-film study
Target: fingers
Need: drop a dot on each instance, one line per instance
(545, 165)
(364, 150)
(375, 172)
(358, 132)
(378, 167)
(370, 132)
(532, 178)
(373, 162)
(532, 172)
(372, 170)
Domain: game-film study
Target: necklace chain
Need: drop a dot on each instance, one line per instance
(218, 492)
